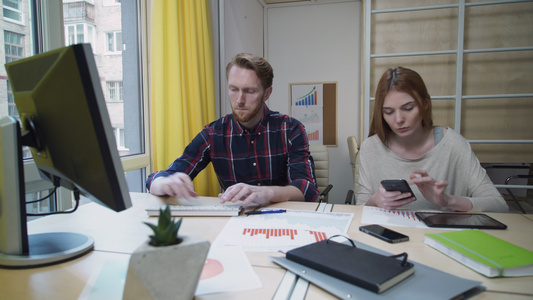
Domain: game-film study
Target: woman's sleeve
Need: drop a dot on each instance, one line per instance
(484, 195)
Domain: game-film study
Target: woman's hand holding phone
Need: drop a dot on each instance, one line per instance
(393, 193)
(392, 185)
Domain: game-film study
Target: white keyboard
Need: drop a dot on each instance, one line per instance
(198, 210)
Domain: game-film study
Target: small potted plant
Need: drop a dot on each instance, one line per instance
(166, 266)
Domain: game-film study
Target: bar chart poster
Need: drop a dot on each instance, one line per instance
(307, 107)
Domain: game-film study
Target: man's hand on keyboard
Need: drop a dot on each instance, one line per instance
(178, 184)
(261, 195)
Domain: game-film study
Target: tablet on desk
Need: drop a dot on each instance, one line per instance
(459, 220)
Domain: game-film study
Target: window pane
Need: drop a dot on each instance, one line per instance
(12, 3)
(12, 9)
(14, 46)
(119, 91)
(71, 38)
(90, 35)
(118, 42)
(120, 138)
(117, 68)
(110, 42)
(111, 91)
(45, 206)
(9, 14)
(89, 21)
(79, 34)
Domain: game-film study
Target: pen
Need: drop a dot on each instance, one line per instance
(258, 212)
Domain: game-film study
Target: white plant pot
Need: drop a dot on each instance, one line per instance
(168, 272)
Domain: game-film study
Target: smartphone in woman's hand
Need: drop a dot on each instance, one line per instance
(401, 185)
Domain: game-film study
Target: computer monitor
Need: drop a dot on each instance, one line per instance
(67, 127)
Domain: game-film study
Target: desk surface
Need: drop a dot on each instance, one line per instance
(117, 235)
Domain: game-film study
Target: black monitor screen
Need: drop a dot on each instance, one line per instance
(65, 123)
(60, 100)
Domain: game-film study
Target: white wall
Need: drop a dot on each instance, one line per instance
(243, 32)
(316, 43)
(303, 43)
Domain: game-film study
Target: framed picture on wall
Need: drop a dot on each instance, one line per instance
(315, 105)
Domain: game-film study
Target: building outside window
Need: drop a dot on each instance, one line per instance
(12, 10)
(79, 33)
(105, 27)
(14, 46)
(114, 42)
(114, 91)
(119, 135)
(11, 106)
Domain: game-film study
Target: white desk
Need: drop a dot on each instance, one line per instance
(117, 235)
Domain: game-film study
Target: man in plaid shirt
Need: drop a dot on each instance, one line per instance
(259, 155)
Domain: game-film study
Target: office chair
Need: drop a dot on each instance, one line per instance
(320, 156)
(353, 150)
(511, 193)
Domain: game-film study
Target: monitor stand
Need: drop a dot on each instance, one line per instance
(17, 248)
(48, 249)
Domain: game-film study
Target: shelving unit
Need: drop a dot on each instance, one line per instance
(483, 48)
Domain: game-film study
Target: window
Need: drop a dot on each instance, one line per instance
(14, 46)
(114, 41)
(11, 107)
(14, 50)
(88, 22)
(13, 10)
(114, 91)
(119, 136)
(79, 33)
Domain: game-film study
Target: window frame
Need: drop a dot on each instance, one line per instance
(88, 37)
(22, 46)
(116, 86)
(51, 35)
(17, 11)
(116, 47)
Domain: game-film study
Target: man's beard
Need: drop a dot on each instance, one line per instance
(247, 117)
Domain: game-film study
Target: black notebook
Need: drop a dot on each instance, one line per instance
(366, 269)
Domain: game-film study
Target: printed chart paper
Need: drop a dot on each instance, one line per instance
(307, 106)
(392, 217)
(283, 231)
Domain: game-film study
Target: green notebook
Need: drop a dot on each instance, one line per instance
(483, 252)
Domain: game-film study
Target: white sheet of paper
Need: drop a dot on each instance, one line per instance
(397, 217)
(282, 231)
(227, 269)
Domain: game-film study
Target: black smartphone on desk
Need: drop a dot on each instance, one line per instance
(401, 185)
(383, 233)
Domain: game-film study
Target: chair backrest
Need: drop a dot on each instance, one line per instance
(353, 150)
(320, 156)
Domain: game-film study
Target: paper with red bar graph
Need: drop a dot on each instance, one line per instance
(395, 217)
(283, 231)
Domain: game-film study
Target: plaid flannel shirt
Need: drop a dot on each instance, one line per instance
(274, 153)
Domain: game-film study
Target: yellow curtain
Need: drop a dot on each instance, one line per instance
(182, 82)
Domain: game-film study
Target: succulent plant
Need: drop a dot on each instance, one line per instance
(166, 231)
